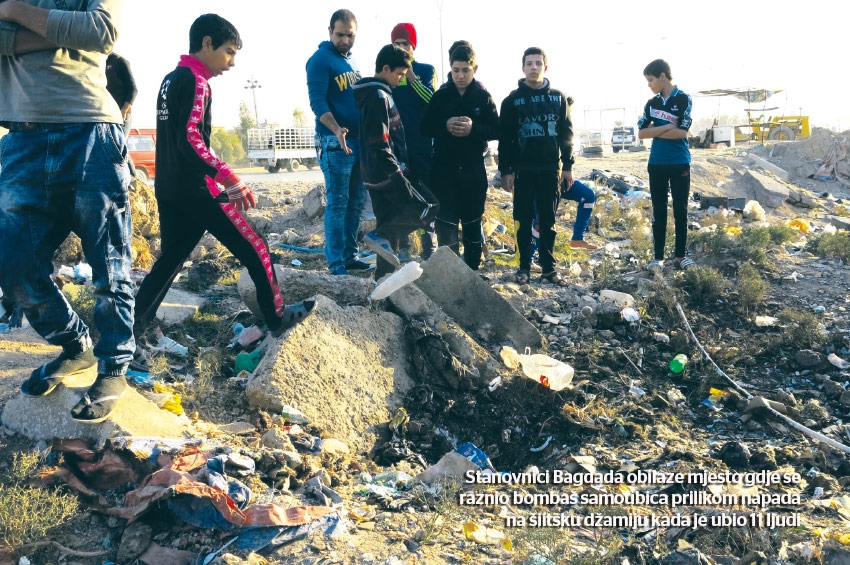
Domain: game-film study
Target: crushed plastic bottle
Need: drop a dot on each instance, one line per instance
(294, 415)
(406, 275)
(677, 364)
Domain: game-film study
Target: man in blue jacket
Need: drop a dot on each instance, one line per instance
(331, 74)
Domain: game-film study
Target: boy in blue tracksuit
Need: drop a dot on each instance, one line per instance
(535, 141)
(666, 119)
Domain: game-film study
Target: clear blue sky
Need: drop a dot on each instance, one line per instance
(596, 51)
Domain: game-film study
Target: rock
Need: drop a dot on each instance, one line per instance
(833, 389)
(769, 192)
(335, 447)
(808, 359)
(134, 541)
(735, 455)
(314, 202)
(452, 465)
(763, 460)
(277, 439)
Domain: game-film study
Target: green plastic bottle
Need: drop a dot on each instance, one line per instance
(677, 364)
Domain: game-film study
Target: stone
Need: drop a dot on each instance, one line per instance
(768, 166)
(472, 303)
(345, 367)
(314, 202)
(808, 359)
(134, 541)
(833, 389)
(178, 305)
(768, 191)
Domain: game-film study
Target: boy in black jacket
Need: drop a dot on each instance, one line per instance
(535, 134)
(461, 118)
(401, 202)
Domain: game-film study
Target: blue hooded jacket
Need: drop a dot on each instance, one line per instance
(330, 80)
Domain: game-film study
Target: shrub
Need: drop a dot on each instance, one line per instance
(801, 329)
(831, 245)
(702, 284)
(752, 288)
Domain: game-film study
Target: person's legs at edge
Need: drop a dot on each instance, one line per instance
(659, 179)
(474, 195)
(585, 197)
(547, 195)
(34, 219)
(524, 217)
(356, 201)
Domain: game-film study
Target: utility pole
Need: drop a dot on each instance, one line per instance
(254, 85)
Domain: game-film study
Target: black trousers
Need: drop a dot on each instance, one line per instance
(462, 191)
(675, 179)
(540, 187)
(182, 225)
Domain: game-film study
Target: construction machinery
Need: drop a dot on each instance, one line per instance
(761, 128)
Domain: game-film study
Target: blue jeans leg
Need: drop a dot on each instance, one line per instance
(345, 196)
(58, 178)
(584, 195)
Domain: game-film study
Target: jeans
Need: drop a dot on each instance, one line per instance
(58, 178)
(584, 195)
(345, 195)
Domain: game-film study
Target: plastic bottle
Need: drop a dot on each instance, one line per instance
(677, 364)
(407, 274)
(549, 372)
(294, 415)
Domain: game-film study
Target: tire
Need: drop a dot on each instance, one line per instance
(782, 133)
(273, 169)
(142, 175)
(288, 164)
(294, 164)
(616, 150)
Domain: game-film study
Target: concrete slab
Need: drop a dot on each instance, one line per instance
(49, 417)
(768, 191)
(768, 166)
(296, 284)
(470, 301)
(412, 302)
(839, 222)
(346, 368)
(178, 305)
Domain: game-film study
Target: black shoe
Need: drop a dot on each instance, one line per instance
(96, 404)
(294, 313)
(140, 361)
(43, 380)
(358, 266)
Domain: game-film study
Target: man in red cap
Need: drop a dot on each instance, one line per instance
(411, 97)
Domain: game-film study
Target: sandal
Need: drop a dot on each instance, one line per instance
(554, 278)
(106, 390)
(294, 313)
(522, 276)
(581, 244)
(685, 264)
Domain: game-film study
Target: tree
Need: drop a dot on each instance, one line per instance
(246, 122)
(299, 118)
(228, 146)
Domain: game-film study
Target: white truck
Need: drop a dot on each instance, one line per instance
(275, 147)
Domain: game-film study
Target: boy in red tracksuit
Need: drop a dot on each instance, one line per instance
(197, 192)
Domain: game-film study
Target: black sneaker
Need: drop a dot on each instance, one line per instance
(358, 266)
(43, 380)
(140, 361)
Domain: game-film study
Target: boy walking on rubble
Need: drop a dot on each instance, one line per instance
(535, 141)
(666, 119)
(401, 203)
(197, 192)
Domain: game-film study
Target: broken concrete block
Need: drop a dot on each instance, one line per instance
(412, 302)
(314, 202)
(344, 367)
(801, 198)
(178, 305)
(768, 191)
(839, 222)
(46, 417)
(768, 166)
(470, 301)
(296, 285)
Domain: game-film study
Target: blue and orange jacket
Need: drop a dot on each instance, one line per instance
(185, 165)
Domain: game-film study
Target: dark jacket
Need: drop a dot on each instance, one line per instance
(475, 103)
(383, 151)
(330, 79)
(184, 163)
(412, 99)
(535, 130)
(119, 80)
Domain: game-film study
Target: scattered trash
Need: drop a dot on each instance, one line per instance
(635, 389)
(485, 535)
(766, 321)
(630, 314)
(714, 399)
(296, 263)
(407, 274)
(294, 415)
(754, 211)
(165, 397)
(677, 364)
(838, 361)
(83, 271)
(663, 338)
(165, 344)
(801, 225)
(248, 361)
(549, 372)
(249, 335)
(620, 299)
(542, 447)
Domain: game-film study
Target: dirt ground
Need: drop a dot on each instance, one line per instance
(625, 410)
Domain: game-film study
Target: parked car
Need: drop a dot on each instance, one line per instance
(625, 138)
(142, 146)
